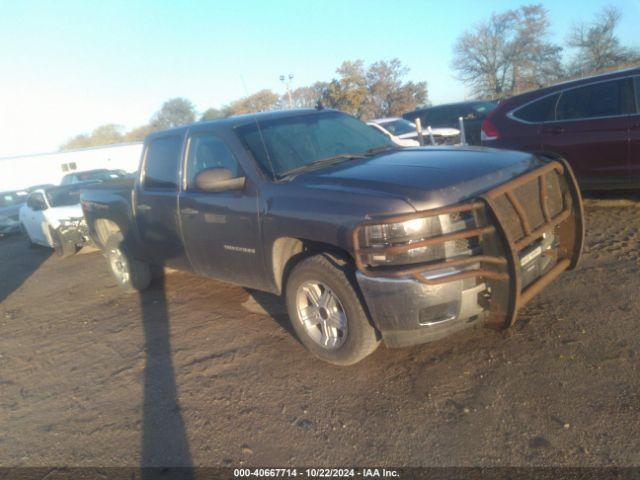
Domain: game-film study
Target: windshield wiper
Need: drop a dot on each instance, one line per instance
(322, 162)
(381, 149)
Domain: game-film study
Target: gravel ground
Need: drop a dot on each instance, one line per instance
(195, 372)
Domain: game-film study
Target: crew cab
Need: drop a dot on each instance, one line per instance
(366, 242)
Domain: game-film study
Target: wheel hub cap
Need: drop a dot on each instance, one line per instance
(322, 314)
(119, 265)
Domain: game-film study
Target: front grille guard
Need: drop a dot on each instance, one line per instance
(499, 263)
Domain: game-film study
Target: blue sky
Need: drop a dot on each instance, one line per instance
(68, 66)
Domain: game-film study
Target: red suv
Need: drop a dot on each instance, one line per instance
(593, 122)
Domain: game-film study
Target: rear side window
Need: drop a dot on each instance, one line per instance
(603, 99)
(637, 89)
(161, 164)
(542, 110)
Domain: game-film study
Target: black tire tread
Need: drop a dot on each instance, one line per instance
(139, 272)
(362, 336)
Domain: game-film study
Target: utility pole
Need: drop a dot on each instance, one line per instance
(287, 82)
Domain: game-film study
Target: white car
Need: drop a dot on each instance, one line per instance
(398, 140)
(404, 133)
(53, 218)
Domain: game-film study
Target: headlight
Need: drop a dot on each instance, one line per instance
(390, 244)
(381, 237)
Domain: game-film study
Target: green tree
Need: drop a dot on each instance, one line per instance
(212, 114)
(103, 135)
(261, 101)
(305, 97)
(597, 46)
(349, 91)
(137, 134)
(388, 93)
(173, 113)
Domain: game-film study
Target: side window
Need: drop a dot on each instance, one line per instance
(209, 151)
(542, 110)
(637, 85)
(435, 118)
(591, 101)
(161, 164)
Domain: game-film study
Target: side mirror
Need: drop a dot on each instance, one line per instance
(218, 180)
(38, 206)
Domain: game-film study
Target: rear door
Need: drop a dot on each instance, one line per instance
(634, 133)
(156, 202)
(221, 229)
(591, 131)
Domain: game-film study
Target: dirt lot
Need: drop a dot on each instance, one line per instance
(198, 373)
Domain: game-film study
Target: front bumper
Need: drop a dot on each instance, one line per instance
(75, 233)
(530, 230)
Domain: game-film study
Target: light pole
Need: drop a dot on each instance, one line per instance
(287, 82)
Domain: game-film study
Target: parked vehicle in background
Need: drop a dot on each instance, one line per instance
(8, 226)
(10, 203)
(404, 133)
(400, 139)
(447, 116)
(52, 217)
(98, 175)
(594, 123)
(363, 239)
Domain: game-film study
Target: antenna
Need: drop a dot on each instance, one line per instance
(264, 144)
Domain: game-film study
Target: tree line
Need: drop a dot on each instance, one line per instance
(506, 54)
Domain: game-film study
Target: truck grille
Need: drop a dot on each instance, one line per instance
(497, 229)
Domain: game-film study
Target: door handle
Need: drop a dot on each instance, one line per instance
(144, 208)
(553, 130)
(189, 211)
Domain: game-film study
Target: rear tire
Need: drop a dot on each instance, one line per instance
(326, 312)
(132, 275)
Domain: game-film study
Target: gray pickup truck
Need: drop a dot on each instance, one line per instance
(366, 242)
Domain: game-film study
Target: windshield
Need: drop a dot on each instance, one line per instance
(297, 141)
(8, 199)
(399, 126)
(63, 197)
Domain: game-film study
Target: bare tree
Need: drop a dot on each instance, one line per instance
(508, 53)
(598, 47)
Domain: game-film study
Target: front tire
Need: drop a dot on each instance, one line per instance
(326, 312)
(62, 248)
(131, 274)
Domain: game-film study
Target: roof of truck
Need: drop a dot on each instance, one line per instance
(244, 119)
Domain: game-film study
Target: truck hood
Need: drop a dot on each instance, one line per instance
(427, 177)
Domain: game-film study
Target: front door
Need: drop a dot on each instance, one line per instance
(634, 132)
(591, 131)
(220, 229)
